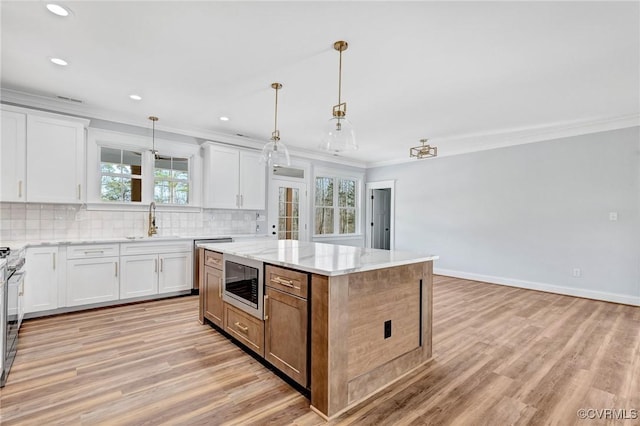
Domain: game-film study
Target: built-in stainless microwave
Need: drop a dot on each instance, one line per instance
(243, 284)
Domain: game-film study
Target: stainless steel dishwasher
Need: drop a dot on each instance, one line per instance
(196, 258)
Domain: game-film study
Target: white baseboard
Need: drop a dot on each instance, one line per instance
(550, 288)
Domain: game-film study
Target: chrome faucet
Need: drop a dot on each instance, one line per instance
(153, 229)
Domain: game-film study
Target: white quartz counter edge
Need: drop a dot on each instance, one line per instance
(18, 245)
(327, 267)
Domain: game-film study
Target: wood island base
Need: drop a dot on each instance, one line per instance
(368, 330)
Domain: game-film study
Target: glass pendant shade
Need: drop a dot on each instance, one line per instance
(339, 136)
(275, 154)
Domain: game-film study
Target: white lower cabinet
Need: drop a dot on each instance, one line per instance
(85, 274)
(41, 279)
(155, 268)
(92, 274)
(175, 272)
(92, 280)
(139, 275)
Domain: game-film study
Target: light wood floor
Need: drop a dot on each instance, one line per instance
(501, 356)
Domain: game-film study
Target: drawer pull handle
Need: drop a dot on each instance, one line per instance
(266, 312)
(242, 327)
(284, 282)
(94, 252)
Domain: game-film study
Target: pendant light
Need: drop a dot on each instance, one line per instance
(275, 153)
(339, 135)
(153, 136)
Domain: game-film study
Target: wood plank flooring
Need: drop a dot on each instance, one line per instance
(501, 356)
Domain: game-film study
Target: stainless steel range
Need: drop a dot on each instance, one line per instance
(12, 281)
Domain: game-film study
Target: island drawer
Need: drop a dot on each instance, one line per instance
(213, 259)
(246, 329)
(286, 280)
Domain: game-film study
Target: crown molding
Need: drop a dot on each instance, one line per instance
(49, 104)
(468, 143)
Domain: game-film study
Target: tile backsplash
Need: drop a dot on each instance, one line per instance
(33, 221)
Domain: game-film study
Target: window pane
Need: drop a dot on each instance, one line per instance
(110, 155)
(109, 168)
(347, 221)
(110, 188)
(346, 193)
(162, 193)
(181, 195)
(126, 189)
(177, 174)
(136, 190)
(181, 164)
(324, 191)
(324, 221)
(132, 158)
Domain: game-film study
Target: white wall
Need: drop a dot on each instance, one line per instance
(528, 215)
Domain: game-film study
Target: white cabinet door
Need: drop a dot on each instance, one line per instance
(92, 280)
(252, 181)
(12, 156)
(175, 272)
(139, 275)
(55, 155)
(221, 177)
(41, 279)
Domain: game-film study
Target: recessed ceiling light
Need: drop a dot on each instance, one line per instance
(59, 61)
(224, 118)
(58, 10)
(136, 97)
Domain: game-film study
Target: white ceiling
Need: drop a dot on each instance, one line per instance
(467, 75)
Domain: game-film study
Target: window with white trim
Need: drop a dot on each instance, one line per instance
(336, 205)
(171, 180)
(120, 175)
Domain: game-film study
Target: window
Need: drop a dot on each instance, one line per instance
(288, 213)
(335, 205)
(120, 175)
(171, 178)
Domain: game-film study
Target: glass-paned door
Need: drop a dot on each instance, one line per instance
(287, 210)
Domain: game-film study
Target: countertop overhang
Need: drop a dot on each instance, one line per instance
(319, 258)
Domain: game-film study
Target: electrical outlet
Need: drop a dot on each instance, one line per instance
(613, 216)
(576, 272)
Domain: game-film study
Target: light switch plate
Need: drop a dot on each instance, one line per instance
(613, 216)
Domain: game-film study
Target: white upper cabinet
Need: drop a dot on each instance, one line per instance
(12, 156)
(252, 181)
(55, 160)
(233, 179)
(42, 156)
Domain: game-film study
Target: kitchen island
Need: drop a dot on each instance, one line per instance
(369, 315)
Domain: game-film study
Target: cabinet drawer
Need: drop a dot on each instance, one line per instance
(213, 259)
(147, 247)
(245, 328)
(286, 280)
(92, 250)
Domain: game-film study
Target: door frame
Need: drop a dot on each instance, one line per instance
(369, 187)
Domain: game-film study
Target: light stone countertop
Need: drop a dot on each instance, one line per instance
(319, 258)
(18, 245)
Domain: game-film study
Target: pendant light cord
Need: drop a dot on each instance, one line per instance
(275, 122)
(340, 79)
